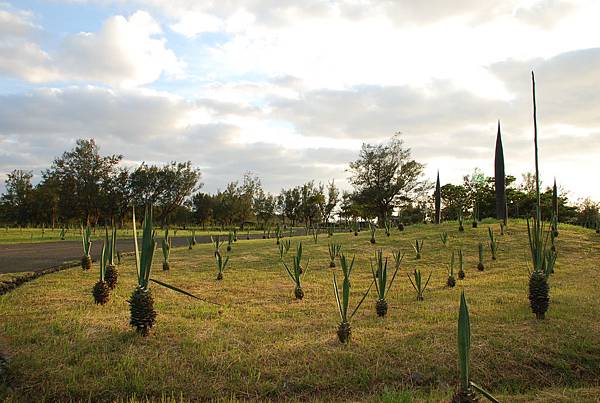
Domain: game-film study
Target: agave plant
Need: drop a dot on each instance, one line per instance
(229, 241)
(554, 210)
(86, 239)
(356, 228)
(277, 234)
(330, 230)
(284, 247)
(475, 214)
(398, 256)
(444, 239)
(297, 272)
(461, 264)
(217, 243)
(101, 290)
(451, 282)
(493, 243)
(418, 247)
(438, 200)
(141, 303)
(539, 288)
(418, 283)
(190, 243)
(400, 227)
(166, 250)
(221, 264)
(112, 274)
(193, 237)
(344, 331)
(63, 232)
(235, 235)
(388, 226)
(480, 265)
(381, 284)
(461, 228)
(373, 228)
(315, 233)
(465, 393)
(334, 251)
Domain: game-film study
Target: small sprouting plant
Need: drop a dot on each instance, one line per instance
(388, 226)
(444, 239)
(381, 284)
(277, 234)
(86, 239)
(193, 237)
(461, 228)
(330, 231)
(464, 392)
(344, 331)
(418, 283)
(355, 227)
(221, 264)
(190, 243)
(63, 231)
(334, 251)
(297, 272)
(373, 228)
(480, 265)
(451, 282)
(475, 214)
(418, 247)
(493, 243)
(461, 264)
(398, 256)
(229, 241)
(166, 249)
(315, 234)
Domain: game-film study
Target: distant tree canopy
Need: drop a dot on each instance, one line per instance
(384, 176)
(84, 186)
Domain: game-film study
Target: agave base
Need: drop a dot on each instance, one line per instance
(355, 233)
(111, 276)
(141, 307)
(332, 264)
(344, 332)
(461, 229)
(474, 224)
(480, 266)
(86, 262)
(228, 248)
(461, 275)
(101, 292)
(539, 294)
(372, 240)
(464, 396)
(219, 276)
(401, 227)
(381, 307)
(166, 266)
(298, 292)
(451, 281)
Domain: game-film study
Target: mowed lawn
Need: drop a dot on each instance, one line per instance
(260, 343)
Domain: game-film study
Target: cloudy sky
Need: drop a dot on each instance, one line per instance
(290, 92)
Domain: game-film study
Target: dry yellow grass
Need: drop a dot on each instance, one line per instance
(261, 343)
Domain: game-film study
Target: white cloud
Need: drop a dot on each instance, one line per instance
(125, 52)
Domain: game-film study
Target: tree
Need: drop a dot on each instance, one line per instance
(333, 198)
(202, 207)
(500, 179)
(264, 207)
(165, 187)
(18, 197)
(82, 173)
(291, 204)
(385, 175)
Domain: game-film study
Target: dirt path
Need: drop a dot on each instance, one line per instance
(39, 256)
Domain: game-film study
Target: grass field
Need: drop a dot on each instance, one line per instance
(262, 344)
(22, 235)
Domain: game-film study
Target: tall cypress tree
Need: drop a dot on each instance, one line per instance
(500, 180)
(438, 200)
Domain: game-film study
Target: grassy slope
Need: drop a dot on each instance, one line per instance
(261, 343)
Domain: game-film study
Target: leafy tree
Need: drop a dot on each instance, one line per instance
(202, 207)
(82, 173)
(291, 204)
(18, 197)
(264, 207)
(385, 175)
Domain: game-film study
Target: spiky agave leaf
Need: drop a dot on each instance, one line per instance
(464, 341)
(493, 243)
(111, 274)
(451, 282)
(480, 265)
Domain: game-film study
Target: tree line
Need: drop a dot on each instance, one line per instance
(83, 186)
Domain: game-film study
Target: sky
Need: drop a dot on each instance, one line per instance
(291, 89)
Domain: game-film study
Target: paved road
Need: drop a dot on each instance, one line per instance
(33, 257)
